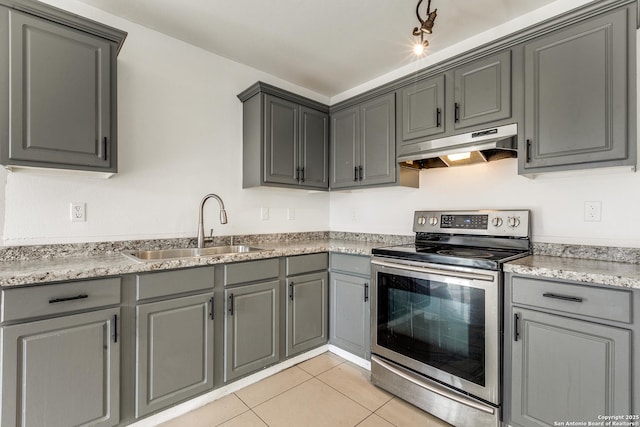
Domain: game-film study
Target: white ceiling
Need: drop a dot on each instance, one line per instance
(326, 46)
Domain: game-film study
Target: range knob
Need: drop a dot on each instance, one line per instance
(497, 222)
(422, 220)
(433, 220)
(513, 221)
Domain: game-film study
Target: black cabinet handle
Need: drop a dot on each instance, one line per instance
(366, 292)
(562, 297)
(115, 328)
(56, 300)
(291, 291)
(231, 304)
(298, 174)
(528, 154)
(104, 148)
(302, 175)
(438, 117)
(211, 308)
(355, 173)
(516, 326)
(456, 112)
(360, 173)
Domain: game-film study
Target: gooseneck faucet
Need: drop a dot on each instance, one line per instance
(223, 217)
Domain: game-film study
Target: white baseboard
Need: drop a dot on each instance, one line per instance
(216, 394)
(363, 363)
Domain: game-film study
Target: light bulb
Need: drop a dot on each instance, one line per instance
(419, 48)
(459, 156)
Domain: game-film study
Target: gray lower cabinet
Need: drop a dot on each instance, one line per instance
(307, 302)
(63, 371)
(60, 87)
(61, 350)
(580, 96)
(285, 139)
(173, 314)
(251, 328)
(174, 351)
(568, 352)
(350, 304)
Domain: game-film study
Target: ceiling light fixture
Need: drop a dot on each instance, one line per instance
(426, 27)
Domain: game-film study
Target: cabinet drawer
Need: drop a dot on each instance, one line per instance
(251, 271)
(353, 264)
(173, 282)
(610, 304)
(306, 263)
(47, 300)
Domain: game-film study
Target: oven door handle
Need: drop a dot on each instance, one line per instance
(460, 274)
(434, 388)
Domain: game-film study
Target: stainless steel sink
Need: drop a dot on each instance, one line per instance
(164, 254)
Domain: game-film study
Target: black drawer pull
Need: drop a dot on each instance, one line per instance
(211, 308)
(55, 300)
(562, 297)
(291, 291)
(516, 326)
(231, 305)
(115, 328)
(366, 292)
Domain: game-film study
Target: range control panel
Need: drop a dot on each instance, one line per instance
(510, 223)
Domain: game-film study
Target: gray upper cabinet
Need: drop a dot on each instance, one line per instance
(174, 351)
(60, 83)
(474, 94)
(251, 328)
(63, 371)
(285, 139)
(482, 91)
(363, 146)
(421, 110)
(580, 96)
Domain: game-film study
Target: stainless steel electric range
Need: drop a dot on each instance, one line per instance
(436, 320)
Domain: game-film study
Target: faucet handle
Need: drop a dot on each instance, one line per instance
(210, 237)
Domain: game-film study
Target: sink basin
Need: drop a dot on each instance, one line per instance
(164, 254)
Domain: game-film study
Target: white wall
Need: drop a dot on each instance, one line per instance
(556, 200)
(180, 137)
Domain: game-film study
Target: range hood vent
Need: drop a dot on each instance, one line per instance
(464, 149)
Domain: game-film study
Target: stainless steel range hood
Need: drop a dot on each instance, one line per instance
(463, 149)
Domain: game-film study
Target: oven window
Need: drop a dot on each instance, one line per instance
(439, 324)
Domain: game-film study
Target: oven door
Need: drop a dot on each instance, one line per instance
(440, 321)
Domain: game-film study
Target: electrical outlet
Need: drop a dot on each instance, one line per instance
(264, 214)
(78, 212)
(291, 214)
(593, 211)
(354, 215)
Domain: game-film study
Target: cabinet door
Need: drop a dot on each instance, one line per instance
(307, 308)
(576, 94)
(350, 314)
(60, 98)
(422, 110)
(174, 351)
(566, 369)
(378, 141)
(482, 91)
(251, 328)
(281, 140)
(62, 372)
(345, 147)
(314, 151)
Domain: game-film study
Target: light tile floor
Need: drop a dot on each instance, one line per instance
(323, 391)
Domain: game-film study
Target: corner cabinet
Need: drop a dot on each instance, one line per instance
(580, 86)
(568, 352)
(285, 139)
(363, 146)
(59, 78)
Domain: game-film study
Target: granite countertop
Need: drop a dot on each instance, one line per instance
(40, 271)
(604, 272)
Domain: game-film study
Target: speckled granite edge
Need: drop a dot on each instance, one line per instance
(600, 253)
(35, 252)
